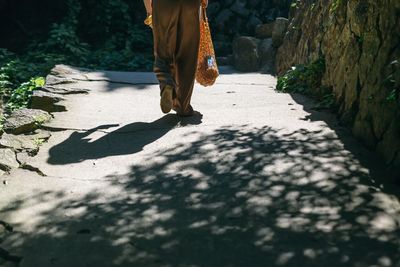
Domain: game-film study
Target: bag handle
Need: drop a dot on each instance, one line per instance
(203, 11)
(204, 21)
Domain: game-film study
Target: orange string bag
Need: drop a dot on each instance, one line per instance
(207, 69)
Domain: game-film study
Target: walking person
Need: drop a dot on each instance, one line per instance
(176, 33)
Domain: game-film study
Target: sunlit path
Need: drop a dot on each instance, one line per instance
(261, 179)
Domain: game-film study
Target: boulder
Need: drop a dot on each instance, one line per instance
(252, 22)
(280, 28)
(213, 8)
(239, 7)
(45, 101)
(224, 61)
(264, 31)
(224, 17)
(8, 160)
(267, 56)
(245, 54)
(25, 120)
(222, 47)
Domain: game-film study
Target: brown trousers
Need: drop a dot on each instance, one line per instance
(176, 42)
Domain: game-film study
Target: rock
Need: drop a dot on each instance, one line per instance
(64, 91)
(224, 17)
(239, 7)
(264, 31)
(389, 146)
(232, 18)
(280, 28)
(245, 53)
(16, 142)
(45, 101)
(52, 80)
(213, 8)
(231, 59)
(8, 160)
(23, 158)
(363, 130)
(267, 55)
(224, 61)
(253, 3)
(25, 120)
(268, 69)
(41, 134)
(2, 172)
(61, 70)
(360, 45)
(253, 22)
(24, 142)
(222, 47)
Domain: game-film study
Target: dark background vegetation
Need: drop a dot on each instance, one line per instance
(37, 34)
(79, 30)
(98, 34)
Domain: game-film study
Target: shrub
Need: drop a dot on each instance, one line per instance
(21, 96)
(306, 79)
(302, 78)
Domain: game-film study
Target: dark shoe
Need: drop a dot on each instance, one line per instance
(166, 99)
(186, 114)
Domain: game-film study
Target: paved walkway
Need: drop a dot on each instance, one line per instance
(259, 180)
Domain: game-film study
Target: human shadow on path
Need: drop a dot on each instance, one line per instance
(128, 139)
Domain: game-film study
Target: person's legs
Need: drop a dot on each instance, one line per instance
(165, 28)
(187, 46)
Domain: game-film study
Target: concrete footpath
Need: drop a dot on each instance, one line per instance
(260, 179)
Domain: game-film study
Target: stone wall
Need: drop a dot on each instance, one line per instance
(232, 18)
(360, 41)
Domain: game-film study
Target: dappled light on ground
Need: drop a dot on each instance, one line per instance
(237, 196)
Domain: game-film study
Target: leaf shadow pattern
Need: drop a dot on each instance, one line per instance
(237, 196)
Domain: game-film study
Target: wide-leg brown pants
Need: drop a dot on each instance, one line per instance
(176, 42)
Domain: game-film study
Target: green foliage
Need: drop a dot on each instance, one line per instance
(18, 69)
(39, 141)
(99, 34)
(62, 38)
(39, 120)
(302, 78)
(21, 96)
(16, 72)
(306, 79)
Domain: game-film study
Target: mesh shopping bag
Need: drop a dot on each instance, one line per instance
(207, 69)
